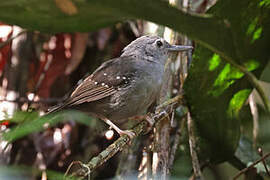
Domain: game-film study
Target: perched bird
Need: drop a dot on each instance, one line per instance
(126, 86)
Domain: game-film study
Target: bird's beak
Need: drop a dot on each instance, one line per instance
(179, 48)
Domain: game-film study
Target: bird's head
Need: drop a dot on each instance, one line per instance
(152, 48)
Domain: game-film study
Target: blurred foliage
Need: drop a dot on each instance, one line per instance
(26, 173)
(266, 73)
(94, 14)
(31, 122)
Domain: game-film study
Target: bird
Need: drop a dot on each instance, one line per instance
(124, 87)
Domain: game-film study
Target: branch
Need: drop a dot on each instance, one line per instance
(174, 100)
(109, 152)
(192, 145)
(260, 151)
(251, 166)
(120, 143)
(41, 100)
(176, 142)
(255, 115)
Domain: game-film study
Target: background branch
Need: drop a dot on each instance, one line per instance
(192, 145)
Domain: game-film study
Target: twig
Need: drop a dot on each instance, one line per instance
(192, 145)
(3, 44)
(251, 166)
(25, 100)
(176, 142)
(260, 151)
(161, 149)
(121, 142)
(110, 151)
(176, 99)
(254, 112)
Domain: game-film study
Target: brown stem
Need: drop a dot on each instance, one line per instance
(254, 112)
(251, 166)
(260, 151)
(176, 142)
(192, 145)
(117, 146)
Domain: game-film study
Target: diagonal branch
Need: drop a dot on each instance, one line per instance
(251, 166)
(192, 145)
(121, 142)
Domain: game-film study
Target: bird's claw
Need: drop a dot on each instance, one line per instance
(150, 120)
(129, 133)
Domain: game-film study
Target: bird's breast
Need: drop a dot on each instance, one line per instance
(134, 99)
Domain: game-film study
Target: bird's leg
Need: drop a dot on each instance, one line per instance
(130, 134)
(150, 120)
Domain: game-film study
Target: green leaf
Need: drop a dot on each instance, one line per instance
(209, 93)
(41, 123)
(215, 90)
(94, 14)
(237, 32)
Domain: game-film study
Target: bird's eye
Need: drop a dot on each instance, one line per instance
(159, 43)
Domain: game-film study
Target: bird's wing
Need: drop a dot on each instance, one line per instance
(105, 81)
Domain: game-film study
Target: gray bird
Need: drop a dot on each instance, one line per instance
(126, 86)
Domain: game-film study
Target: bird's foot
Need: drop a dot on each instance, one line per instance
(150, 120)
(129, 133)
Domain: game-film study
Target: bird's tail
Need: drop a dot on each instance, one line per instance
(56, 108)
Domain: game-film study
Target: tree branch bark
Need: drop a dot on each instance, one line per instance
(120, 143)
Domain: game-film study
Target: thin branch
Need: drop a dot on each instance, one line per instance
(119, 144)
(254, 112)
(176, 99)
(176, 142)
(260, 151)
(192, 145)
(25, 100)
(3, 44)
(251, 166)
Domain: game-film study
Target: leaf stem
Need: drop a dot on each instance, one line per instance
(251, 78)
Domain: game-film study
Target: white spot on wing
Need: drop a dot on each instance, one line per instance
(118, 77)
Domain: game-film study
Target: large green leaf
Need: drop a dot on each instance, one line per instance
(44, 15)
(216, 90)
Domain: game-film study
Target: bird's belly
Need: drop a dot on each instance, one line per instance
(132, 102)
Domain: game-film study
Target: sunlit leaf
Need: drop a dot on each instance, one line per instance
(42, 123)
(214, 62)
(216, 90)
